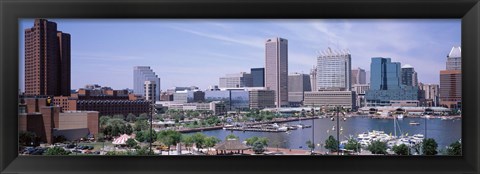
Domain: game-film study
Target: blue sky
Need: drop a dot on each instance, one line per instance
(186, 52)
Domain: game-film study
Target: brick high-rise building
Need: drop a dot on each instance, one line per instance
(47, 60)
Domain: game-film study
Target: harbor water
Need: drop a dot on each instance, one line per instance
(444, 132)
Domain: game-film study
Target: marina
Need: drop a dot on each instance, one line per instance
(444, 132)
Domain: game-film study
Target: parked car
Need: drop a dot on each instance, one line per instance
(90, 147)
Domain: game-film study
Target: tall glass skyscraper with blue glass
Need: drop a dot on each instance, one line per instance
(386, 84)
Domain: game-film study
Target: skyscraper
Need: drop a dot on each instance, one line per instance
(276, 69)
(384, 74)
(142, 74)
(451, 80)
(334, 70)
(297, 85)
(258, 77)
(359, 76)
(385, 85)
(450, 88)
(409, 76)
(47, 60)
(454, 59)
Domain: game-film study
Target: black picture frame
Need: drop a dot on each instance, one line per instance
(11, 11)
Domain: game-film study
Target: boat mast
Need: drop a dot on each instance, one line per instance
(395, 126)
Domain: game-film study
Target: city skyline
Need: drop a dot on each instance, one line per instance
(237, 45)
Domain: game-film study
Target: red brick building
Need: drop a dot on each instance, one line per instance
(46, 121)
(47, 60)
(451, 88)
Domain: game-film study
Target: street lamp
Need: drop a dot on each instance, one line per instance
(151, 122)
(337, 112)
(313, 128)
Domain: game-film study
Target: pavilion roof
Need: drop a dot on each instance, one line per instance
(231, 144)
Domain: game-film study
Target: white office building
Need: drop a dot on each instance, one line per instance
(142, 74)
(334, 70)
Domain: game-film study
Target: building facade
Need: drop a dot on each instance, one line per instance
(297, 85)
(47, 60)
(432, 94)
(258, 77)
(334, 70)
(451, 80)
(451, 88)
(180, 97)
(142, 74)
(260, 99)
(150, 91)
(346, 99)
(409, 76)
(359, 76)
(46, 121)
(360, 90)
(239, 80)
(276, 69)
(385, 84)
(454, 59)
(313, 78)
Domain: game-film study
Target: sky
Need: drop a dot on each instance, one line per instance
(196, 52)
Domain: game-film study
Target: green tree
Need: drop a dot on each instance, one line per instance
(169, 138)
(131, 118)
(187, 140)
(131, 143)
(27, 138)
(103, 120)
(331, 144)
(310, 145)
(352, 144)
(429, 146)
(251, 140)
(258, 147)
(144, 151)
(141, 125)
(128, 129)
(139, 136)
(211, 142)
(378, 147)
(199, 140)
(231, 136)
(56, 151)
(455, 149)
(402, 149)
(143, 116)
(100, 137)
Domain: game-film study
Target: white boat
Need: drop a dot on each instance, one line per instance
(400, 116)
(444, 118)
(418, 136)
(283, 128)
(414, 123)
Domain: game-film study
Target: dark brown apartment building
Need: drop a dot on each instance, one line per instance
(47, 60)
